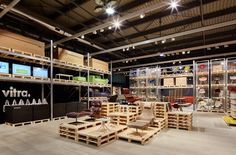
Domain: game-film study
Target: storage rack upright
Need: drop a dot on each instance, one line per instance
(49, 62)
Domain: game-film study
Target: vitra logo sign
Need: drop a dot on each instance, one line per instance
(12, 92)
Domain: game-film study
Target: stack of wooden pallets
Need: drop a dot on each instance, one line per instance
(180, 120)
(107, 108)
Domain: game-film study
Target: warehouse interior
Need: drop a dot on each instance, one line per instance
(117, 76)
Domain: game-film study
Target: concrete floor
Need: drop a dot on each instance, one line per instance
(210, 136)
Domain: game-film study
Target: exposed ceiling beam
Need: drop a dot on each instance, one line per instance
(8, 7)
(184, 59)
(66, 8)
(206, 28)
(121, 9)
(178, 51)
(159, 15)
(110, 23)
(179, 23)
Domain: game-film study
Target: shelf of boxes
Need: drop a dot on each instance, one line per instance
(180, 120)
(107, 108)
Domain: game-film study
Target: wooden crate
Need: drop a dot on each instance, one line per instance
(180, 120)
(19, 124)
(122, 118)
(18, 42)
(70, 57)
(98, 64)
(143, 137)
(107, 108)
(69, 131)
(98, 136)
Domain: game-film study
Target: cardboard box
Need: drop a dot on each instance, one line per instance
(217, 68)
(98, 64)
(181, 81)
(21, 43)
(169, 82)
(71, 57)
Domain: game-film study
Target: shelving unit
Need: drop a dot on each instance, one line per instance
(218, 79)
(51, 63)
(143, 83)
(231, 84)
(202, 85)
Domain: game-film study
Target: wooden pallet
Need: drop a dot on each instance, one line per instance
(60, 80)
(143, 137)
(19, 124)
(159, 123)
(59, 118)
(41, 121)
(21, 52)
(97, 136)
(40, 57)
(5, 48)
(5, 75)
(21, 76)
(41, 78)
(122, 118)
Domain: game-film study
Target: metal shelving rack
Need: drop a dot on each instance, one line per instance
(217, 84)
(230, 83)
(51, 63)
(202, 85)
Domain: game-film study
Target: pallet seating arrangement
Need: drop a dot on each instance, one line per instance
(180, 120)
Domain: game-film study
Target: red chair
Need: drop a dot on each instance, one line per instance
(130, 98)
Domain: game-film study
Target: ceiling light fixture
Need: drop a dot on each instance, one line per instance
(94, 32)
(101, 30)
(156, 42)
(162, 55)
(110, 10)
(127, 48)
(174, 4)
(142, 16)
(117, 24)
(226, 46)
(217, 47)
(133, 47)
(188, 52)
(82, 36)
(172, 39)
(123, 49)
(127, 61)
(55, 46)
(109, 27)
(163, 41)
(208, 48)
(183, 52)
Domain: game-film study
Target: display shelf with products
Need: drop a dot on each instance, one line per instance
(202, 85)
(231, 86)
(217, 89)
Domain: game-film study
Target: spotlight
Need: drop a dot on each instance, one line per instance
(156, 42)
(109, 27)
(127, 61)
(110, 11)
(188, 52)
(82, 36)
(116, 24)
(226, 46)
(94, 32)
(174, 5)
(180, 62)
(172, 39)
(133, 47)
(172, 54)
(208, 48)
(118, 69)
(174, 62)
(163, 41)
(162, 55)
(127, 48)
(135, 59)
(183, 52)
(222, 63)
(142, 16)
(123, 49)
(101, 30)
(217, 47)
(55, 46)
